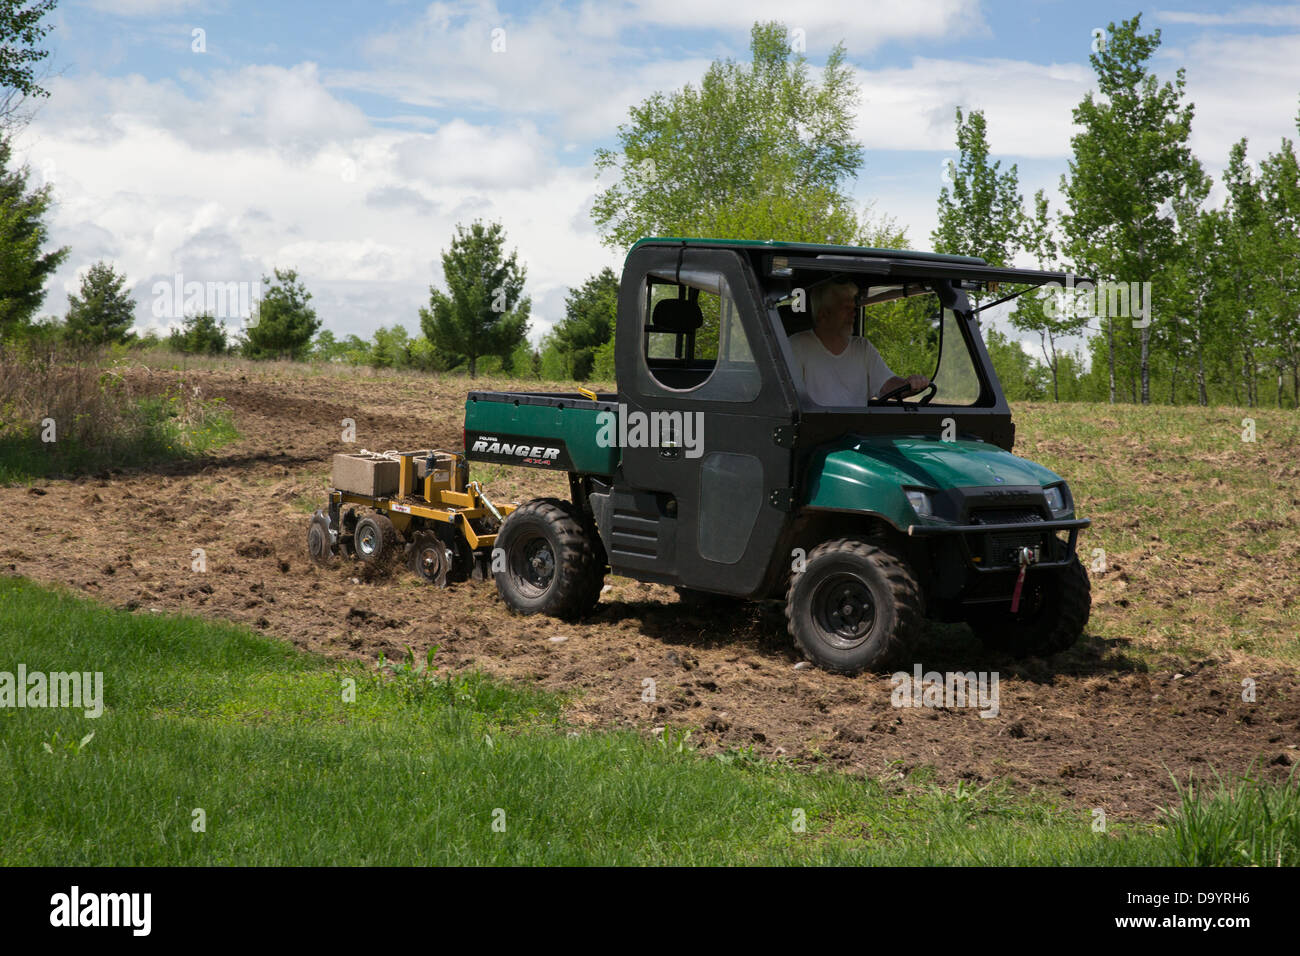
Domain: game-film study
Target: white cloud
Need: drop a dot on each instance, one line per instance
(463, 154)
(1252, 14)
(255, 106)
(225, 181)
(863, 26)
(1242, 85)
(141, 8)
(1027, 105)
(570, 66)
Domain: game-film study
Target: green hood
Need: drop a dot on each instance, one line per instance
(869, 474)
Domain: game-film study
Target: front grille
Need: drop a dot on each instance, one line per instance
(1001, 549)
(1005, 516)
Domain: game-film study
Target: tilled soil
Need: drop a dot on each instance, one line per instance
(1097, 727)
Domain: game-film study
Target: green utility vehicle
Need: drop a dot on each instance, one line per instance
(713, 468)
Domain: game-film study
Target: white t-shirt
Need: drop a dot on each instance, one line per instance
(850, 378)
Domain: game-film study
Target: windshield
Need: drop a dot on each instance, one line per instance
(854, 344)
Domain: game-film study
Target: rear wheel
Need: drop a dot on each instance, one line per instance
(856, 605)
(550, 560)
(1054, 608)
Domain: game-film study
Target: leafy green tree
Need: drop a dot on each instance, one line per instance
(326, 347)
(757, 150)
(200, 334)
(981, 214)
(391, 348)
(1131, 160)
(483, 312)
(527, 361)
(1051, 318)
(355, 350)
(1071, 374)
(1022, 378)
(285, 322)
(553, 362)
(602, 369)
(24, 267)
(1280, 272)
(21, 30)
(104, 311)
(1246, 255)
(1200, 302)
(588, 322)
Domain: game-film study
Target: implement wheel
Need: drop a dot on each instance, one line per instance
(375, 539)
(429, 558)
(550, 561)
(320, 545)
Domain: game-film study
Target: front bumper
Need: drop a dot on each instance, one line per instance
(990, 548)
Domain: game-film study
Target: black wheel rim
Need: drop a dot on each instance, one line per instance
(844, 610)
(532, 564)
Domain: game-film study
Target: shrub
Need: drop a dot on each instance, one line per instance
(63, 412)
(200, 335)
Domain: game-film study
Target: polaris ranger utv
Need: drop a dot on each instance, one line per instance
(713, 469)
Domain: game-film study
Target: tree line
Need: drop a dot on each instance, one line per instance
(1210, 304)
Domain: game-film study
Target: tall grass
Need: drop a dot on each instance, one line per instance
(1249, 823)
(63, 411)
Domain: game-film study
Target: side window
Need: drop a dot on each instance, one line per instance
(694, 340)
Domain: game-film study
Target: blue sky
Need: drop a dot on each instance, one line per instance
(346, 140)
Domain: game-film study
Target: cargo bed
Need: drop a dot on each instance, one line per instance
(557, 431)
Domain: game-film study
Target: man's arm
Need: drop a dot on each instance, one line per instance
(878, 371)
(915, 383)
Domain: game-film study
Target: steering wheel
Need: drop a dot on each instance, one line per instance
(904, 390)
(898, 392)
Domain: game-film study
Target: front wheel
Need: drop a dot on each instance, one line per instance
(856, 605)
(320, 543)
(1055, 604)
(550, 561)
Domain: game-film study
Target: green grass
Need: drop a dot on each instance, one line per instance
(1246, 824)
(1198, 524)
(415, 770)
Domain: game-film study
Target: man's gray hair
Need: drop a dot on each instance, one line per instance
(827, 291)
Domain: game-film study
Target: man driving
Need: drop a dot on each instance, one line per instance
(838, 367)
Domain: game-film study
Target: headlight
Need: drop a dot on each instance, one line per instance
(920, 502)
(1055, 498)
